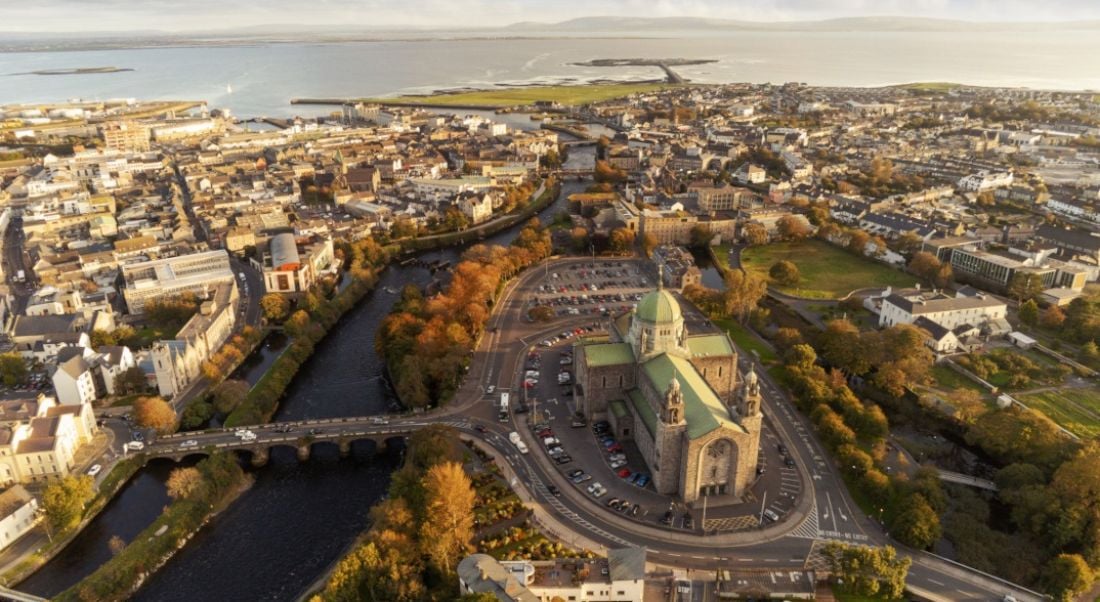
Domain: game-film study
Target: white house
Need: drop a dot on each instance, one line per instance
(113, 360)
(905, 307)
(73, 378)
(621, 576)
(17, 514)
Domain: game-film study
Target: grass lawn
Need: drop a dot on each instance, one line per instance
(507, 97)
(747, 341)
(722, 255)
(828, 272)
(1060, 408)
(933, 86)
(949, 380)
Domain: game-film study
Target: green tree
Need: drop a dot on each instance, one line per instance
(275, 307)
(227, 395)
(196, 414)
(1052, 317)
(63, 501)
(785, 272)
(13, 369)
(1066, 576)
(916, 523)
(130, 381)
(1024, 286)
(867, 571)
(841, 345)
(1029, 312)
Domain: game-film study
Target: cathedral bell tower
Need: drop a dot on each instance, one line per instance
(669, 441)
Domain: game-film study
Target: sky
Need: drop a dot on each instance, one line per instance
(211, 15)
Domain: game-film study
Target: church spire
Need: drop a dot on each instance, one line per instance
(661, 277)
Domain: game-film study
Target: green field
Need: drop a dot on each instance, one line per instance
(746, 341)
(1064, 408)
(828, 272)
(509, 97)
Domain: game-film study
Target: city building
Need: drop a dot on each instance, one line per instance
(618, 578)
(178, 362)
(678, 396)
(197, 273)
(126, 136)
(39, 438)
(677, 266)
(73, 377)
(905, 306)
(18, 514)
(288, 267)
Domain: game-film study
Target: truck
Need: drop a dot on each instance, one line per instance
(503, 416)
(520, 445)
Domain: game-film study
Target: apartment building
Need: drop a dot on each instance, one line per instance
(197, 273)
(39, 438)
(290, 267)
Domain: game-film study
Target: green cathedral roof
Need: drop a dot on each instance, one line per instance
(659, 307)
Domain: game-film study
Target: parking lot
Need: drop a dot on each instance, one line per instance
(599, 288)
(610, 473)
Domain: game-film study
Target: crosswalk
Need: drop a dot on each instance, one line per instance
(538, 485)
(809, 529)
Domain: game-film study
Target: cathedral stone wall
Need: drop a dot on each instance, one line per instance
(720, 372)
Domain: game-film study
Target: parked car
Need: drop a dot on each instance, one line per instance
(618, 464)
(581, 478)
(771, 515)
(624, 473)
(643, 481)
(94, 470)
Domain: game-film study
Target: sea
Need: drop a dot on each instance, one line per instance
(258, 80)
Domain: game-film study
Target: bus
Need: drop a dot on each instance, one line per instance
(503, 417)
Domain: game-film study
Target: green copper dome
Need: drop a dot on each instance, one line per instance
(659, 307)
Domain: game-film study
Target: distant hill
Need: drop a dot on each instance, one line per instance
(644, 24)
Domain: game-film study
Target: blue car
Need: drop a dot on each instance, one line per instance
(634, 478)
(643, 481)
(609, 444)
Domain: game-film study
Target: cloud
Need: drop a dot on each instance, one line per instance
(115, 15)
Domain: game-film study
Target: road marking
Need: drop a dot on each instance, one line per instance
(939, 583)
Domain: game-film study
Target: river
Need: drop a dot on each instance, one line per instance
(299, 517)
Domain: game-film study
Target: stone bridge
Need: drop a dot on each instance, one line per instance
(300, 435)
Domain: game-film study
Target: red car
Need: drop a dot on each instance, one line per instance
(624, 473)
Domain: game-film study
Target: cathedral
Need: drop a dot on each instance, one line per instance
(678, 396)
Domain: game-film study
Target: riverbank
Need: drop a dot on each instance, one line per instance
(491, 99)
(119, 475)
(550, 190)
(217, 482)
(307, 330)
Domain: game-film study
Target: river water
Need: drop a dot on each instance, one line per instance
(299, 517)
(260, 79)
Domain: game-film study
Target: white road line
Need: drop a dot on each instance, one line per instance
(939, 583)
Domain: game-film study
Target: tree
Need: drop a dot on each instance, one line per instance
(840, 344)
(801, 356)
(541, 313)
(857, 241)
(700, 236)
(790, 227)
(604, 172)
(743, 292)
(622, 240)
(754, 234)
(450, 500)
(64, 501)
(229, 394)
(916, 524)
(13, 369)
(1052, 317)
(275, 307)
(1029, 312)
(130, 381)
(925, 266)
(297, 323)
(649, 242)
(868, 571)
(155, 413)
(908, 244)
(784, 272)
(183, 482)
(196, 414)
(1090, 353)
(116, 545)
(1025, 286)
(579, 239)
(1066, 576)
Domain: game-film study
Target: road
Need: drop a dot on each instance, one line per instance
(824, 512)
